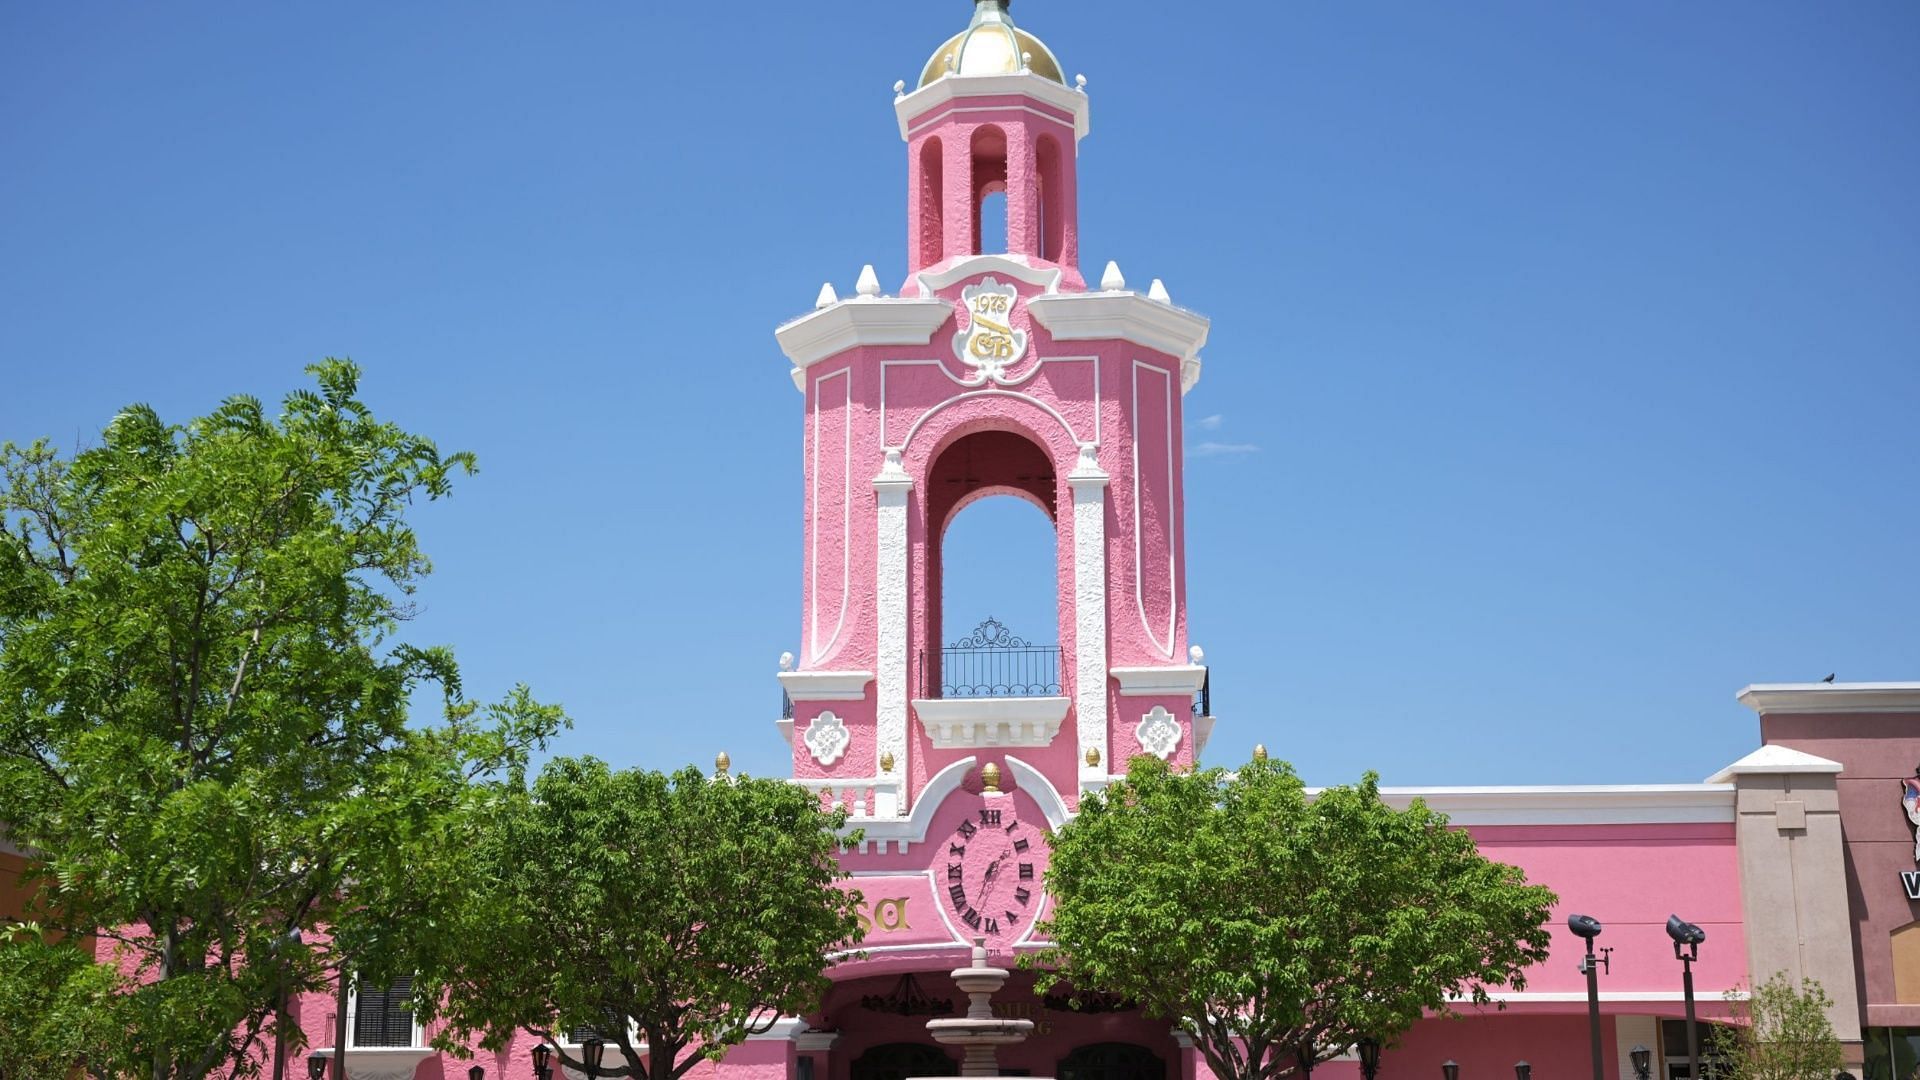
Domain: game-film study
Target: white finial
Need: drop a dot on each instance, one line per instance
(892, 464)
(827, 297)
(1026, 60)
(1113, 280)
(786, 661)
(1080, 83)
(1198, 654)
(1158, 291)
(869, 283)
(899, 89)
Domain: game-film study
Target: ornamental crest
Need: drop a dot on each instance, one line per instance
(1158, 733)
(827, 738)
(990, 345)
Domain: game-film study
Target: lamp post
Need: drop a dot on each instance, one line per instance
(1686, 949)
(1642, 1061)
(1450, 1069)
(1522, 1070)
(1303, 1056)
(591, 1053)
(542, 1055)
(1369, 1058)
(290, 938)
(1587, 928)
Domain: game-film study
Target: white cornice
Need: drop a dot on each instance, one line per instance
(1776, 760)
(953, 723)
(1178, 680)
(866, 320)
(1610, 804)
(1018, 267)
(826, 685)
(911, 107)
(1126, 316)
(1881, 697)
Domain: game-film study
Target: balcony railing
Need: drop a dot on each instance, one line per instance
(992, 662)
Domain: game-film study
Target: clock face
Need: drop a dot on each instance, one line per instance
(992, 872)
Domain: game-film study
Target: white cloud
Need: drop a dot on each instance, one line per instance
(1212, 423)
(1222, 449)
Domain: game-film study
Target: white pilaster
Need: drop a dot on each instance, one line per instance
(1089, 483)
(892, 486)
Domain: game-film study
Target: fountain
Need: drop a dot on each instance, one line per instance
(979, 1033)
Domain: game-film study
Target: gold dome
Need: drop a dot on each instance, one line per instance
(992, 45)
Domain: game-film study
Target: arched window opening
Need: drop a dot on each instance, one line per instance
(932, 198)
(993, 223)
(993, 572)
(1053, 194)
(1112, 1061)
(989, 152)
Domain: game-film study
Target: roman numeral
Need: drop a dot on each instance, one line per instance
(959, 894)
(971, 918)
(1013, 917)
(967, 829)
(956, 850)
(953, 871)
(1021, 845)
(1026, 871)
(993, 926)
(989, 817)
(1022, 895)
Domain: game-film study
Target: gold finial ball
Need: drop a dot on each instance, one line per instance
(1259, 752)
(1093, 757)
(721, 761)
(886, 761)
(990, 778)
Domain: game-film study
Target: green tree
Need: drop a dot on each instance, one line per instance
(1779, 1032)
(1268, 922)
(204, 726)
(679, 911)
(57, 1008)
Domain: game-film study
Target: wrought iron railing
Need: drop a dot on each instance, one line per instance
(992, 662)
(1203, 701)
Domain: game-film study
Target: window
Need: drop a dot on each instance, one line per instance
(384, 1018)
(1892, 1053)
(1673, 1047)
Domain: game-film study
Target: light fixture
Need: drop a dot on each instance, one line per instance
(1642, 1061)
(1686, 948)
(1522, 1070)
(1586, 927)
(1303, 1056)
(1450, 1069)
(1369, 1057)
(316, 1066)
(476, 1073)
(591, 1053)
(542, 1057)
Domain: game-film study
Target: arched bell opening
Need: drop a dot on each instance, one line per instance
(989, 171)
(992, 571)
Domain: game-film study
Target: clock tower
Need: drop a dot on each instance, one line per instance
(993, 369)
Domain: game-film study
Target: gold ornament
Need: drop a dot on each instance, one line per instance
(886, 761)
(1259, 752)
(990, 778)
(721, 761)
(1093, 757)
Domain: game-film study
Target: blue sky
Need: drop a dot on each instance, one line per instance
(1563, 378)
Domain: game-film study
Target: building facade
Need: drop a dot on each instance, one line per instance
(960, 752)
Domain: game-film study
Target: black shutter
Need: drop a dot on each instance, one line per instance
(384, 1017)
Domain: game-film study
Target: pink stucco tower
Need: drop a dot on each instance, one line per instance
(992, 372)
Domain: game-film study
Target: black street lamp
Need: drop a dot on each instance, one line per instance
(316, 1066)
(476, 1073)
(1686, 949)
(1522, 1070)
(1450, 1069)
(1587, 927)
(542, 1059)
(591, 1053)
(1369, 1058)
(1642, 1062)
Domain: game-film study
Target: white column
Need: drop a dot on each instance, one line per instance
(892, 486)
(1089, 483)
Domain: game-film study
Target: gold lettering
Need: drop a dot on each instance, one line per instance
(891, 913)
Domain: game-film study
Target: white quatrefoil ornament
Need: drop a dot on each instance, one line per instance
(1159, 733)
(827, 738)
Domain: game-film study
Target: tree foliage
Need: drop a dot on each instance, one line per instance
(1268, 922)
(57, 1008)
(1779, 1032)
(679, 911)
(204, 726)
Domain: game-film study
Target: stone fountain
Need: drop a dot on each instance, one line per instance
(979, 1034)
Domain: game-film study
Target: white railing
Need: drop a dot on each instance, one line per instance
(862, 797)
